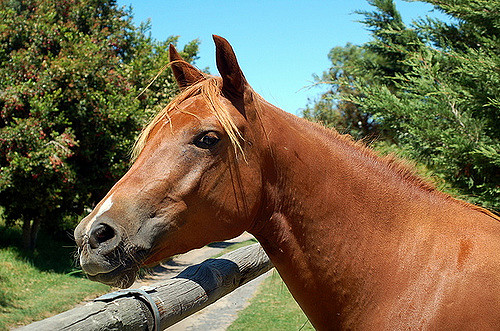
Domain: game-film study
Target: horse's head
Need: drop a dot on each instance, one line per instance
(195, 180)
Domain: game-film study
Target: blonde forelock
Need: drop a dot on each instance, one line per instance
(210, 89)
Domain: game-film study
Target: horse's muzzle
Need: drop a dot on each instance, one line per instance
(103, 256)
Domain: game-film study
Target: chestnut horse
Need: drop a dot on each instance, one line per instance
(360, 241)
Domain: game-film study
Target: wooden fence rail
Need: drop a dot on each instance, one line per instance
(168, 302)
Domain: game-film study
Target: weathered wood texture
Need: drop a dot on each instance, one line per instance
(193, 289)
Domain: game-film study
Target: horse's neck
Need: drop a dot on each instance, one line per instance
(324, 180)
(333, 205)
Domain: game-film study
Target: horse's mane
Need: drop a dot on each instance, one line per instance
(403, 169)
(210, 89)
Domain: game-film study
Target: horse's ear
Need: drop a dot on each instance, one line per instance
(234, 81)
(184, 73)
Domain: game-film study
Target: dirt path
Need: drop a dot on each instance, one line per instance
(219, 315)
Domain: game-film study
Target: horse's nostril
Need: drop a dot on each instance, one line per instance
(100, 234)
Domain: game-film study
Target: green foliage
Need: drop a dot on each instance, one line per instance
(342, 114)
(432, 89)
(69, 74)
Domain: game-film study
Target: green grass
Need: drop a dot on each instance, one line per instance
(39, 284)
(272, 308)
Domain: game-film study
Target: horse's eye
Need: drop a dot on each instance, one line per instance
(207, 140)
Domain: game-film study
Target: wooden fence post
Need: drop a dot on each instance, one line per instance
(175, 299)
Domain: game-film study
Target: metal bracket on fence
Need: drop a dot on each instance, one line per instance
(140, 293)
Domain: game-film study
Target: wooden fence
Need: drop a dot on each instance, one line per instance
(166, 303)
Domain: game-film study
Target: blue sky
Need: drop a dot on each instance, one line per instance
(279, 44)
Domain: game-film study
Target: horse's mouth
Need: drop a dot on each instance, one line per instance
(121, 277)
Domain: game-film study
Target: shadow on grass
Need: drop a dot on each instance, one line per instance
(225, 244)
(220, 244)
(6, 298)
(55, 255)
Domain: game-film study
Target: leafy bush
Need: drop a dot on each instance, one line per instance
(69, 76)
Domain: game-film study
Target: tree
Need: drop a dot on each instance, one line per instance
(372, 64)
(433, 89)
(334, 111)
(70, 71)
